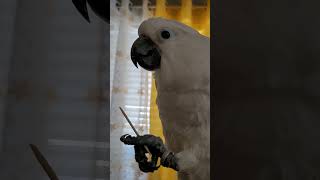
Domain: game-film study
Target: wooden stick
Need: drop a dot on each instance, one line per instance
(134, 129)
(44, 163)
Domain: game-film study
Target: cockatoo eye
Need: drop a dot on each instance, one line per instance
(165, 34)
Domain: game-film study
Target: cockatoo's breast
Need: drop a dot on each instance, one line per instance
(185, 118)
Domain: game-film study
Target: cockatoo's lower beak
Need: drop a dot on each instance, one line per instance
(145, 53)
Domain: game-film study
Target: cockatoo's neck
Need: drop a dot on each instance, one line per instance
(178, 87)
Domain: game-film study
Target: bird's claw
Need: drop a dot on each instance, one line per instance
(155, 146)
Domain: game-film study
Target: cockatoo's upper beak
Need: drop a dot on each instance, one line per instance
(99, 7)
(145, 53)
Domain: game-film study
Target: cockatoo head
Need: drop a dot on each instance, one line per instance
(174, 51)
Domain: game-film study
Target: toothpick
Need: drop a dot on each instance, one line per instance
(44, 163)
(134, 129)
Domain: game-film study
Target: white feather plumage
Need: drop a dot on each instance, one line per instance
(183, 86)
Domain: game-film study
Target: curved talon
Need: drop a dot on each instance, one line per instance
(123, 137)
(128, 139)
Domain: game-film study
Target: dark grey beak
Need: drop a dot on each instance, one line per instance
(100, 7)
(145, 53)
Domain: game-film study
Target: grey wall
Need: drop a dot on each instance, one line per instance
(54, 91)
(7, 20)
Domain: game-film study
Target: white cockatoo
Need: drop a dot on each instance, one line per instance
(180, 59)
